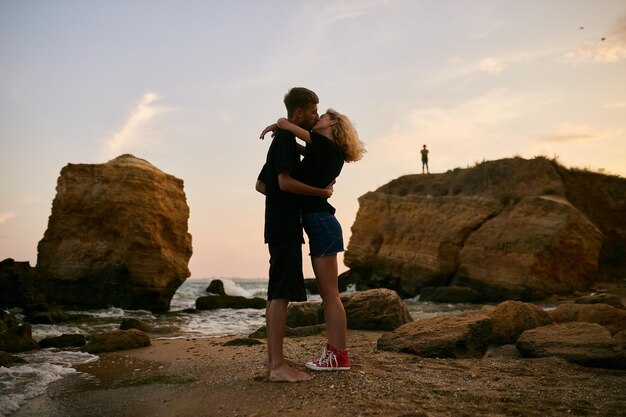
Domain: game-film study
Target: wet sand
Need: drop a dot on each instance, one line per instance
(202, 377)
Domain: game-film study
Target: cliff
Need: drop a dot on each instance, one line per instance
(117, 236)
(509, 229)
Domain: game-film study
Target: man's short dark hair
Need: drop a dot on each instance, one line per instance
(298, 97)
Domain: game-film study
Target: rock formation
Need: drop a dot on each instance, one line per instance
(508, 229)
(441, 337)
(378, 309)
(117, 236)
(587, 344)
(18, 281)
(116, 340)
(213, 302)
(613, 319)
(513, 329)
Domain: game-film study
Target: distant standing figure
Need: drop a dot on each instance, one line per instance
(424, 153)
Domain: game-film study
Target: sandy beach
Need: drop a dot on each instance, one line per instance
(203, 377)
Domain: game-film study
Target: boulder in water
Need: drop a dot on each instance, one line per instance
(117, 236)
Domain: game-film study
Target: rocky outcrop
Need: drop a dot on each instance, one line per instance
(509, 229)
(441, 337)
(405, 243)
(116, 340)
(538, 247)
(117, 236)
(586, 344)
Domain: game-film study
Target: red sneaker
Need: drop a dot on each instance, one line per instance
(331, 360)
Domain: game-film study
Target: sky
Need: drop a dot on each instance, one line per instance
(189, 85)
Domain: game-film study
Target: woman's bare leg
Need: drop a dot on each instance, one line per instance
(326, 274)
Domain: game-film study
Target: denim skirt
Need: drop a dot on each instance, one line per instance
(324, 232)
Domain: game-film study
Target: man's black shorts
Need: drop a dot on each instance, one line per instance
(286, 279)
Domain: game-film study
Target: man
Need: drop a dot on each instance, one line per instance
(283, 229)
(424, 153)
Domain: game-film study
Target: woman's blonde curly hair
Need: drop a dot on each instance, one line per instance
(346, 137)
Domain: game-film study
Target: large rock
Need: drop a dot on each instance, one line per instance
(538, 247)
(511, 318)
(18, 281)
(117, 236)
(116, 340)
(405, 243)
(378, 309)
(213, 302)
(587, 344)
(304, 314)
(216, 286)
(614, 319)
(441, 337)
(18, 339)
(63, 341)
(510, 229)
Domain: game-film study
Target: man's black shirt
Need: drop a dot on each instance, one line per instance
(282, 211)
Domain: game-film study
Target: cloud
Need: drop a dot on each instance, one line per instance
(458, 68)
(567, 133)
(610, 50)
(5, 217)
(490, 65)
(134, 133)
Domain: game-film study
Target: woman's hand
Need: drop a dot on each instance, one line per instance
(271, 128)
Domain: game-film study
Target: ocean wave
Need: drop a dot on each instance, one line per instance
(20, 383)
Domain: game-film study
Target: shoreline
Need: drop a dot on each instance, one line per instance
(202, 377)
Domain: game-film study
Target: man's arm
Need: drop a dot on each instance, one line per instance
(290, 185)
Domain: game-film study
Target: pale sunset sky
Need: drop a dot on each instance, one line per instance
(189, 85)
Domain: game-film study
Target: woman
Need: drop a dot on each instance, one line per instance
(332, 142)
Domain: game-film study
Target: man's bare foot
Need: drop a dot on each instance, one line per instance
(289, 363)
(286, 373)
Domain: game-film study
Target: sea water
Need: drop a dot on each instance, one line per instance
(19, 383)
